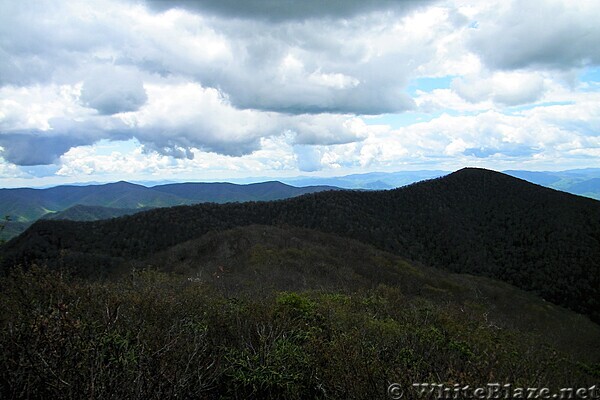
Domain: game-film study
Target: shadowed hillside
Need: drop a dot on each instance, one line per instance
(476, 221)
(91, 213)
(258, 260)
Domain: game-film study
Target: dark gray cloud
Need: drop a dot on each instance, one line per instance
(44, 147)
(364, 99)
(37, 148)
(178, 148)
(285, 10)
(539, 33)
(112, 90)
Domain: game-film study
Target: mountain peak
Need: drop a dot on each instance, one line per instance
(121, 184)
(475, 171)
(472, 178)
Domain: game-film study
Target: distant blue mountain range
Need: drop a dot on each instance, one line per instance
(583, 182)
(368, 181)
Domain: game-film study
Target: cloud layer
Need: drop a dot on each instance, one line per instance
(539, 33)
(286, 10)
(268, 85)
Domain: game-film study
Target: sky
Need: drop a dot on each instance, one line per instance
(205, 90)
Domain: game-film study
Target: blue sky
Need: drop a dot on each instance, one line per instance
(203, 90)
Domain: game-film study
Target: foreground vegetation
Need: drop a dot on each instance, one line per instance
(155, 335)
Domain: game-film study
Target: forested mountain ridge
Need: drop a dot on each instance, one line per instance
(25, 205)
(223, 192)
(476, 221)
(192, 193)
(30, 204)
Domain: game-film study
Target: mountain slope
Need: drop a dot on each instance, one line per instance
(91, 213)
(25, 206)
(475, 221)
(256, 260)
(128, 195)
